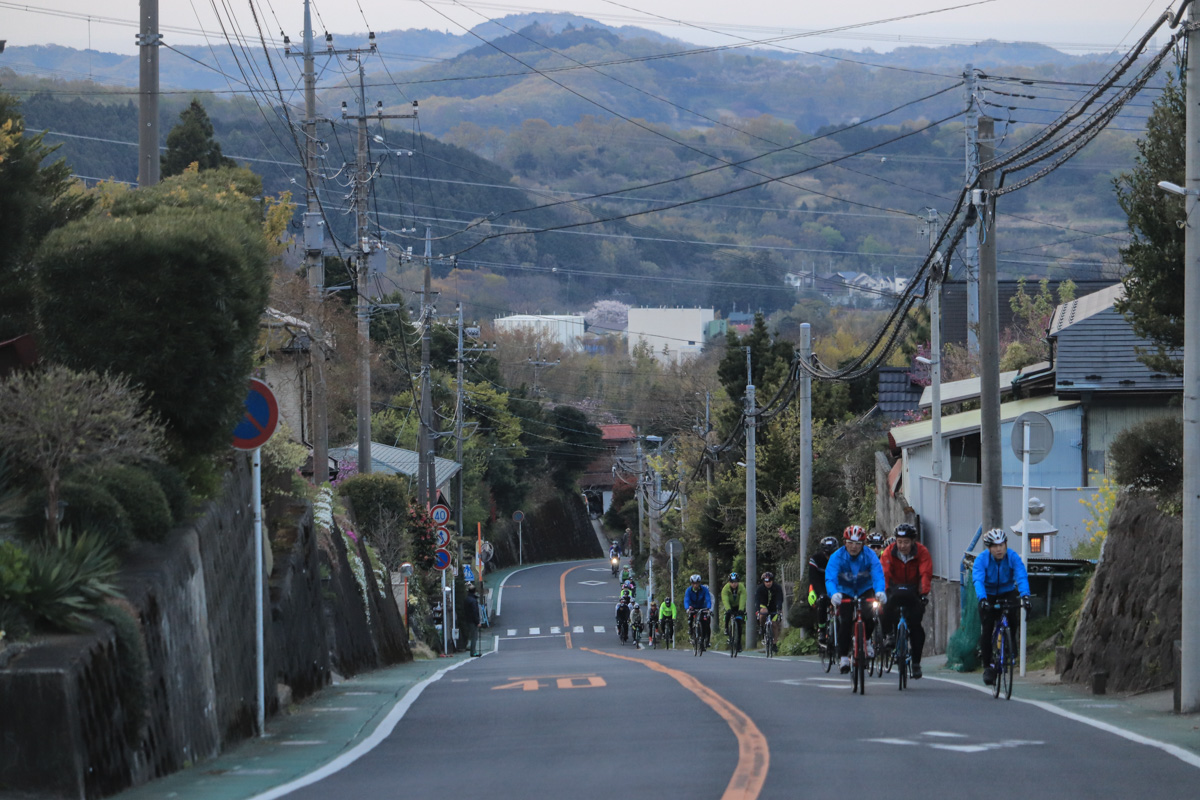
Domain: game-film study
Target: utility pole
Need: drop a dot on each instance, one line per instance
(708, 469)
(458, 437)
(989, 339)
(935, 340)
(751, 500)
(426, 459)
(805, 442)
(1189, 667)
(364, 247)
(148, 41)
(972, 244)
(538, 365)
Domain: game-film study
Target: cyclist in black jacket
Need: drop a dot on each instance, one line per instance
(816, 582)
(769, 602)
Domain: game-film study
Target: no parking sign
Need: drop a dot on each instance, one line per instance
(260, 419)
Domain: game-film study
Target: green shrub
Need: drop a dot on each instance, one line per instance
(70, 578)
(14, 587)
(1148, 457)
(88, 507)
(174, 487)
(133, 666)
(142, 498)
(374, 497)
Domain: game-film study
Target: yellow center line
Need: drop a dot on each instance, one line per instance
(562, 593)
(754, 756)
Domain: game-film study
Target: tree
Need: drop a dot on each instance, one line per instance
(57, 418)
(1153, 302)
(167, 288)
(34, 199)
(191, 141)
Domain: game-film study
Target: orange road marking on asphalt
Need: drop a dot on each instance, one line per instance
(562, 593)
(589, 682)
(754, 756)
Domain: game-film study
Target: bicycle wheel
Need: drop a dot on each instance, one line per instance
(859, 667)
(900, 653)
(769, 639)
(1010, 664)
(828, 651)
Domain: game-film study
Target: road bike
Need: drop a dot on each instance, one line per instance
(1004, 654)
(858, 648)
(766, 630)
(616, 563)
(652, 633)
(696, 631)
(623, 630)
(900, 653)
(637, 633)
(736, 633)
(827, 641)
(666, 632)
(876, 662)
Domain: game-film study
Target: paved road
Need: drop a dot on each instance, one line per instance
(563, 709)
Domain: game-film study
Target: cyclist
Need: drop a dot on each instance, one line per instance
(666, 619)
(623, 612)
(614, 550)
(999, 576)
(853, 572)
(816, 584)
(875, 541)
(733, 598)
(698, 598)
(626, 592)
(635, 619)
(908, 571)
(769, 600)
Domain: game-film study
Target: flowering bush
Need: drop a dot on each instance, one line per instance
(422, 528)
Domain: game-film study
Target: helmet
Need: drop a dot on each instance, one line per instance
(695, 578)
(829, 544)
(768, 576)
(875, 539)
(624, 599)
(635, 605)
(905, 531)
(995, 536)
(854, 533)
(733, 577)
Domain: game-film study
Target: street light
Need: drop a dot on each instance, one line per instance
(1175, 188)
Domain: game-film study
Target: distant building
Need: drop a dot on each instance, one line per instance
(673, 334)
(565, 329)
(601, 479)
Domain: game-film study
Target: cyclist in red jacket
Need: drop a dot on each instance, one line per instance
(908, 569)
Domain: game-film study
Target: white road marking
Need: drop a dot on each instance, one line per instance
(598, 569)
(577, 629)
(592, 583)
(892, 741)
(535, 631)
(961, 748)
(598, 628)
(302, 742)
(556, 630)
(512, 631)
(945, 734)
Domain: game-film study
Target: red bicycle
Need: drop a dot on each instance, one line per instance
(859, 660)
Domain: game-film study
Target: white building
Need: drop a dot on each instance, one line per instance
(565, 329)
(673, 334)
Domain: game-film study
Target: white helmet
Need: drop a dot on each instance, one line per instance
(995, 536)
(695, 578)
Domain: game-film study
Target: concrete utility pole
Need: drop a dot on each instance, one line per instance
(972, 256)
(148, 40)
(989, 341)
(805, 442)
(935, 340)
(538, 365)
(364, 248)
(1189, 668)
(751, 501)
(426, 458)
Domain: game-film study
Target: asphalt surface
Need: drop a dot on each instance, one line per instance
(560, 707)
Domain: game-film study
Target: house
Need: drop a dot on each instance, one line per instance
(899, 392)
(1093, 388)
(672, 334)
(954, 304)
(602, 479)
(398, 461)
(287, 343)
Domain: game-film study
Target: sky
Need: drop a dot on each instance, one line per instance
(1074, 26)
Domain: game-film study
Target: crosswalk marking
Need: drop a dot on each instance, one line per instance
(512, 631)
(535, 631)
(598, 628)
(556, 630)
(577, 629)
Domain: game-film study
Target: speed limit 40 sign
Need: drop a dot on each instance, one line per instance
(440, 514)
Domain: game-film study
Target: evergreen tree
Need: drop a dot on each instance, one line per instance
(1153, 302)
(192, 140)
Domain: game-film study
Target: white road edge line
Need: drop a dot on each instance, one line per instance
(380, 733)
(500, 590)
(1183, 755)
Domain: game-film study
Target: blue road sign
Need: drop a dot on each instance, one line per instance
(441, 558)
(468, 573)
(260, 419)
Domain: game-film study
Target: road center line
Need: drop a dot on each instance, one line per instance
(754, 756)
(562, 593)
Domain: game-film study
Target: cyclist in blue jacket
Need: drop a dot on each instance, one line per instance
(999, 575)
(853, 572)
(697, 597)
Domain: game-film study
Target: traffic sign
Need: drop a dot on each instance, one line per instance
(260, 419)
(441, 558)
(1041, 436)
(441, 537)
(440, 514)
(518, 516)
(468, 573)
(674, 548)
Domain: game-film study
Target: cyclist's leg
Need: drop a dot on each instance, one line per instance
(914, 613)
(986, 618)
(845, 626)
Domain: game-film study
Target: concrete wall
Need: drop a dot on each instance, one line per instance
(64, 731)
(680, 330)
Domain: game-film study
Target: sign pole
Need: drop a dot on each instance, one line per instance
(520, 546)
(445, 619)
(256, 501)
(1024, 530)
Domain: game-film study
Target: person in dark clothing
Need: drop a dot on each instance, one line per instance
(472, 620)
(816, 582)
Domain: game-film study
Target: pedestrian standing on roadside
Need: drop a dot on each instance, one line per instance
(472, 620)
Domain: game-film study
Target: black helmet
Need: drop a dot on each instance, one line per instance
(829, 544)
(906, 531)
(768, 576)
(733, 577)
